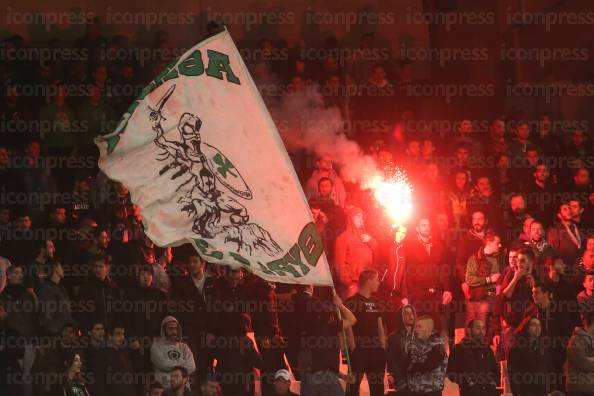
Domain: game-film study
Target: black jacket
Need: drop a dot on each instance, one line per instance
(236, 362)
(426, 271)
(20, 307)
(529, 367)
(227, 310)
(149, 309)
(55, 303)
(264, 311)
(96, 362)
(192, 304)
(472, 365)
(101, 297)
(120, 372)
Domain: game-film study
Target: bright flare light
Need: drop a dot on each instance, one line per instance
(395, 195)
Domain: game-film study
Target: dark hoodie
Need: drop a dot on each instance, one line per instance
(396, 350)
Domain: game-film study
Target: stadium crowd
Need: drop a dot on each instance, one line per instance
(500, 245)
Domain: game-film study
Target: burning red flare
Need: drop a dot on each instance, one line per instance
(395, 195)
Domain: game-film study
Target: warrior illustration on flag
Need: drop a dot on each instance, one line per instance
(205, 165)
(203, 160)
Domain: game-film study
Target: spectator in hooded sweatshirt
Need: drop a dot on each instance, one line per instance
(472, 363)
(580, 360)
(170, 351)
(354, 251)
(406, 318)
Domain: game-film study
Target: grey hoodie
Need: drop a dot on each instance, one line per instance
(398, 343)
(166, 354)
(579, 368)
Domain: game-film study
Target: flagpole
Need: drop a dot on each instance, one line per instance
(294, 174)
(346, 342)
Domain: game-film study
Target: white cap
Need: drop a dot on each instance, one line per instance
(284, 374)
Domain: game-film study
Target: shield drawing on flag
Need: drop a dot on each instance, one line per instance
(225, 171)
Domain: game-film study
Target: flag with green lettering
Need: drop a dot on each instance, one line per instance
(203, 160)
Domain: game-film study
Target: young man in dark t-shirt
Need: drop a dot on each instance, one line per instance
(321, 362)
(368, 356)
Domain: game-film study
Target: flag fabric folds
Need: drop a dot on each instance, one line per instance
(203, 160)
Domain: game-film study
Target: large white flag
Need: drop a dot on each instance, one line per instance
(203, 159)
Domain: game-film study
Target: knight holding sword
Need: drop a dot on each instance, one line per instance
(204, 201)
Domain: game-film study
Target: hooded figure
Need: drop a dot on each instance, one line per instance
(169, 351)
(398, 343)
(354, 251)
